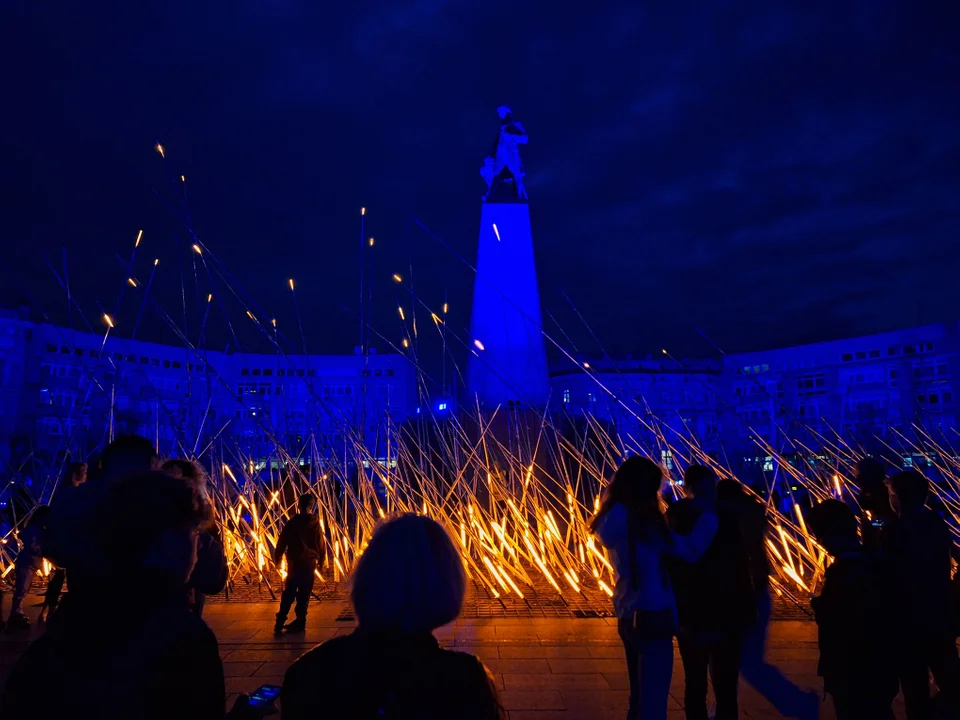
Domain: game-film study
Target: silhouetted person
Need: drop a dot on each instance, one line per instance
(874, 500)
(857, 649)
(408, 582)
(766, 679)
(154, 659)
(631, 526)
(75, 476)
(302, 542)
(209, 575)
(716, 602)
(918, 544)
(76, 513)
(29, 561)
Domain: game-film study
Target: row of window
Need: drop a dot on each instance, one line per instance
(892, 351)
(120, 357)
(285, 372)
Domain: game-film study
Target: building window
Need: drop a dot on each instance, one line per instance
(256, 372)
(566, 397)
(268, 372)
(244, 371)
(592, 397)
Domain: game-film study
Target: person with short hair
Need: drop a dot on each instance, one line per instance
(919, 545)
(303, 544)
(873, 499)
(857, 649)
(408, 582)
(75, 513)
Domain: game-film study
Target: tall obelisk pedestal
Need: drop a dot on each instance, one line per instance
(508, 362)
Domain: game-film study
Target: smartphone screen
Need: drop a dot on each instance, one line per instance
(264, 695)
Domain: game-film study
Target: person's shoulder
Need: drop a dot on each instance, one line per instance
(462, 661)
(328, 653)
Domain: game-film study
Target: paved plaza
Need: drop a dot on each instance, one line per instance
(546, 668)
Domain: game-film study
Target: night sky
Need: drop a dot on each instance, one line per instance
(771, 176)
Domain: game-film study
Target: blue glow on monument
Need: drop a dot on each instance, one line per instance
(509, 364)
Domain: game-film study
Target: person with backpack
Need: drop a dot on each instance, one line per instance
(408, 582)
(302, 542)
(630, 524)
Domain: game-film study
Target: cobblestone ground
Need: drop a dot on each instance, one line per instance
(540, 600)
(546, 667)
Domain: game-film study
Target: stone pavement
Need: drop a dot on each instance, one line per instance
(546, 668)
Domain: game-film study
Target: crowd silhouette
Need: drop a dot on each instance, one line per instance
(694, 572)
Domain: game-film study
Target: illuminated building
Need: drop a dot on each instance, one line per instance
(62, 390)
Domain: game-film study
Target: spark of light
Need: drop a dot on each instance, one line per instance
(210, 297)
(159, 149)
(139, 237)
(108, 320)
(363, 211)
(400, 311)
(156, 262)
(183, 179)
(370, 242)
(397, 278)
(406, 343)
(445, 308)
(290, 283)
(496, 232)
(479, 345)
(196, 249)
(131, 282)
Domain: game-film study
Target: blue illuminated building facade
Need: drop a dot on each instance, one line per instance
(877, 392)
(63, 390)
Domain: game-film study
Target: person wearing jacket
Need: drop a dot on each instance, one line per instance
(630, 524)
(408, 582)
(301, 540)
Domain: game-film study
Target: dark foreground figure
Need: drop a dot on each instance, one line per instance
(153, 658)
(408, 582)
(716, 602)
(858, 660)
(301, 540)
(918, 544)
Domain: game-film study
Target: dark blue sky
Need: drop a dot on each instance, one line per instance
(774, 173)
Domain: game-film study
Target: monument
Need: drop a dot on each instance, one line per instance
(508, 362)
